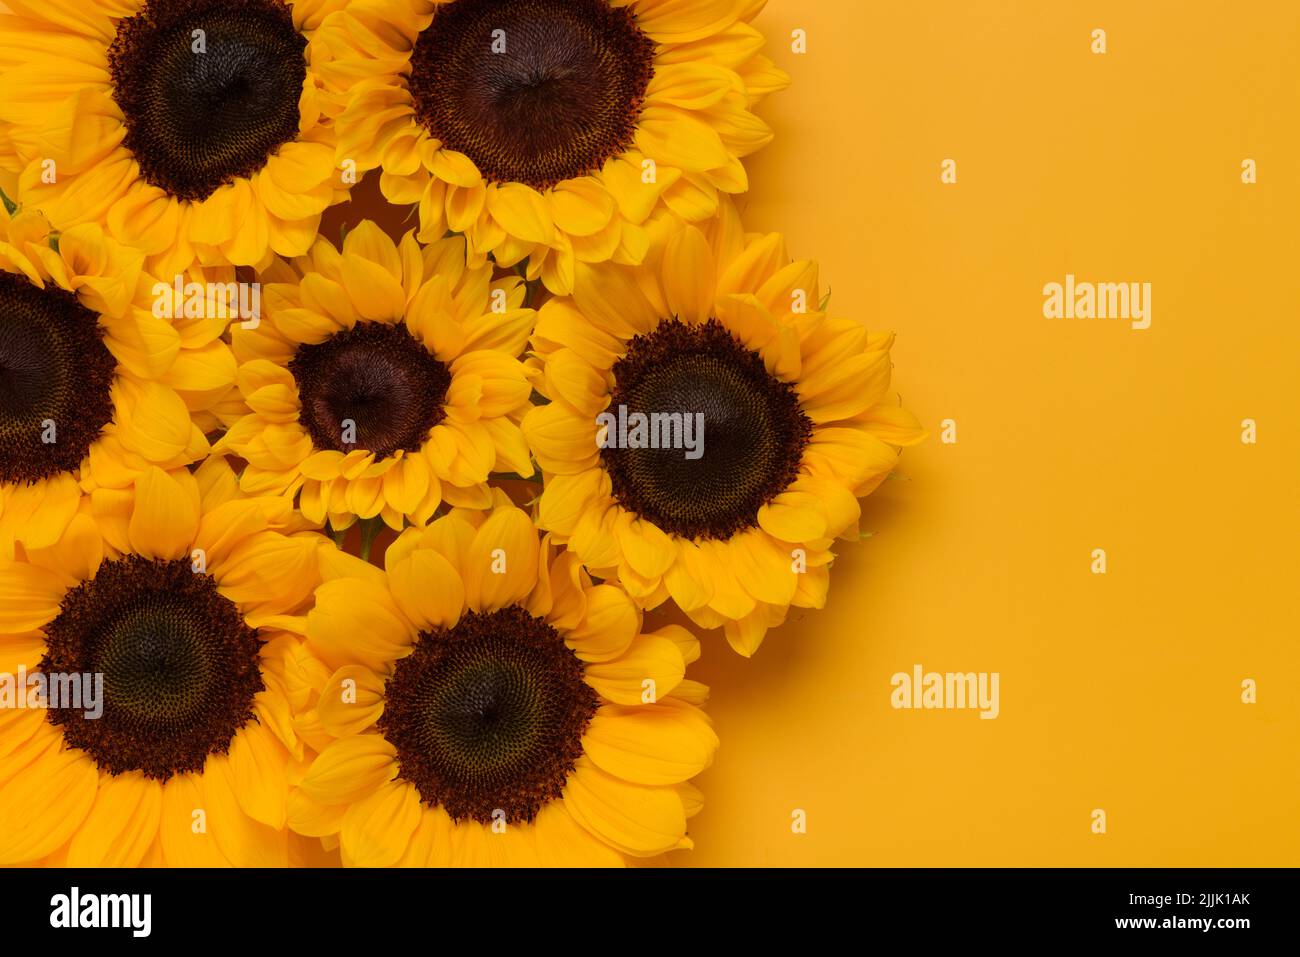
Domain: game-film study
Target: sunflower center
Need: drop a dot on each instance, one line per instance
(209, 89)
(533, 91)
(488, 716)
(747, 451)
(179, 666)
(371, 387)
(55, 379)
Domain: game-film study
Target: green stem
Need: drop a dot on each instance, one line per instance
(370, 529)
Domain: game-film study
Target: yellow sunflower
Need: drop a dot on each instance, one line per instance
(710, 428)
(482, 702)
(383, 381)
(191, 129)
(96, 385)
(550, 130)
(170, 608)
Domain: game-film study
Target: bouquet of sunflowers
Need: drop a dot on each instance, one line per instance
(325, 546)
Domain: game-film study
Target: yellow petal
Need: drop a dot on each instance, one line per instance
(689, 579)
(794, 516)
(43, 806)
(647, 548)
(647, 671)
(563, 439)
(455, 168)
(764, 569)
(375, 293)
(259, 763)
(562, 842)
(763, 257)
(243, 841)
(651, 744)
(893, 424)
(356, 622)
(310, 817)
(349, 769)
(186, 838)
(637, 819)
(501, 565)
(29, 596)
(428, 589)
(682, 21)
(692, 86)
(154, 422)
(745, 634)
(678, 138)
(377, 828)
(38, 515)
(689, 275)
(272, 571)
(522, 211)
(609, 626)
(368, 241)
(581, 207)
(351, 701)
(121, 826)
(566, 498)
(165, 516)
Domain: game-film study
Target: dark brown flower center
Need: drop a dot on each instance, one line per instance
(533, 91)
(55, 380)
(487, 717)
(371, 387)
(748, 450)
(179, 666)
(209, 89)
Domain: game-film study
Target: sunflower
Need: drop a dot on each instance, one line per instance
(191, 129)
(761, 422)
(482, 702)
(550, 130)
(382, 381)
(95, 385)
(181, 600)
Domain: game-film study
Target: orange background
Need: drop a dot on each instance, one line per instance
(1121, 691)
